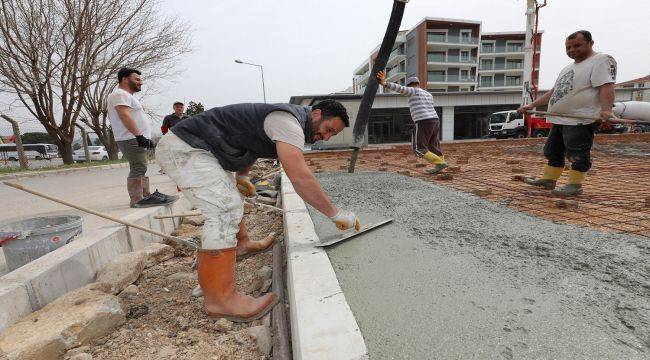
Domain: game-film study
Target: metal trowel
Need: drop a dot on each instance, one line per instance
(350, 235)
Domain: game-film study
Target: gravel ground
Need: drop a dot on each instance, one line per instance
(459, 277)
(165, 321)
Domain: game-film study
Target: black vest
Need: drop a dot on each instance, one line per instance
(235, 135)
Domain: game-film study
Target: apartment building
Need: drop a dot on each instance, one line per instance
(501, 61)
(453, 55)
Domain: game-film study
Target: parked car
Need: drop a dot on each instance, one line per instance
(97, 153)
(641, 128)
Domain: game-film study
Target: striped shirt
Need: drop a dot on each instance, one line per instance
(420, 101)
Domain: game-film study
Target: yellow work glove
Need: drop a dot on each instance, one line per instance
(346, 220)
(245, 186)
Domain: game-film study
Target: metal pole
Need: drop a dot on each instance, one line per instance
(263, 87)
(19, 142)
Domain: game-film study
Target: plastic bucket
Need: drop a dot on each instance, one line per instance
(27, 240)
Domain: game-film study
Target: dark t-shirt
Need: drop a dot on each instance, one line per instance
(171, 120)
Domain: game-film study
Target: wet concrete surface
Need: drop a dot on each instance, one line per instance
(457, 277)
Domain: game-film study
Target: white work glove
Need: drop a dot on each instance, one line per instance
(346, 220)
(245, 186)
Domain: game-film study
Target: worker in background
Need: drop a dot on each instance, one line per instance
(201, 154)
(174, 118)
(132, 130)
(425, 138)
(586, 88)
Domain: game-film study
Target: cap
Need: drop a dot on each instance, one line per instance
(412, 79)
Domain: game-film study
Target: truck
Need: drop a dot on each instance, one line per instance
(510, 124)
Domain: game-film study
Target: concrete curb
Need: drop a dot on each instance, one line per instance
(322, 323)
(36, 173)
(40, 282)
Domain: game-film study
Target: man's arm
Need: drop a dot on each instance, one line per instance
(124, 112)
(606, 99)
(381, 76)
(543, 100)
(304, 181)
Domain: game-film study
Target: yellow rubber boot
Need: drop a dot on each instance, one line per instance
(438, 161)
(433, 158)
(574, 184)
(548, 179)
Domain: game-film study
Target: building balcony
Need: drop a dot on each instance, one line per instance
(363, 79)
(395, 57)
(500, 68)
(500, 85)
(447, 61)
(395, 74)
(361, 69)
(438, 40)
(502, 51)
(437, 79)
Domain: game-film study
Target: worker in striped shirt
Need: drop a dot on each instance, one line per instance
(426, 134)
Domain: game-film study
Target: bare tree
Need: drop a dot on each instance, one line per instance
(51, 50)
(153, 45)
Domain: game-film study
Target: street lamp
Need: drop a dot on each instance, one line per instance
(261, 68)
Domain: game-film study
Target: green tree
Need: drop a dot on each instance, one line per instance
(194, 108)
(36, 138)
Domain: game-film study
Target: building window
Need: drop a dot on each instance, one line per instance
(513, 80)
(437, 37)
(486, 81)
(515, 47)
(436, 75)
(464, 56)
(464, 75)
(465, 37)
(487, 48)
(487, 64)
(514, 64)
(436, 56)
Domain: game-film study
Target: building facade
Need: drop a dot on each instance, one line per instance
(453, 55)
(640, 88)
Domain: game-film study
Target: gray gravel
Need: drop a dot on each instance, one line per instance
(459, 277)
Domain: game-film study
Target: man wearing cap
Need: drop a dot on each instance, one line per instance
(209, 156)
(171, 120)
(426, 134)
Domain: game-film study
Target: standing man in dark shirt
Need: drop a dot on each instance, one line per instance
(171, 120)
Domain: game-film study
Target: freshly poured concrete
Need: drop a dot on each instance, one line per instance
(456, 277)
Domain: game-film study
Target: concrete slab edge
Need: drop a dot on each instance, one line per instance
(36, 173)
(43, 280)
(322, 323)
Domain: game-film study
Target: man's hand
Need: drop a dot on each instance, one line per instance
(606, 115)
(245, 186)
(525, 108)
(346, 220)
(144, 142)
(381, 76)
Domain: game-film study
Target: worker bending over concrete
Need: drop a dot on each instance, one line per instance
(426, 134)
(585, 88)
(201, 153)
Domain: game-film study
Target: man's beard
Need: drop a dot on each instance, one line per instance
(134, 87)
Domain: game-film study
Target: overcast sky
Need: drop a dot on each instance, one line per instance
(313, 46)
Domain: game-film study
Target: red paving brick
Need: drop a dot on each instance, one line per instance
(614, 198)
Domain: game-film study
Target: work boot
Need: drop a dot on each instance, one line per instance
(548, 184)
(146, 192)
(247, 247)
(548, 179)
(134, 188)
(574, 184)
(220, 297)
(155, 199)
(568, 190)
(438, 168)
(438, 161)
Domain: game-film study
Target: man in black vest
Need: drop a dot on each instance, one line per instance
(201, 154)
